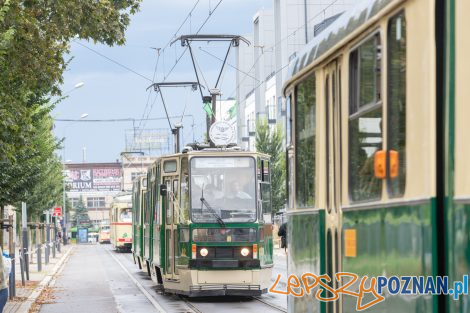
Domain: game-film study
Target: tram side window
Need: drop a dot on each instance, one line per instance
(305, 137)
(397, 102)
(365, 120)
(265, 186)
(288, 121)
(184, 201)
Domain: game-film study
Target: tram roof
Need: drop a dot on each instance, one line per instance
(336, 33)
(214, 152)
(124, 197)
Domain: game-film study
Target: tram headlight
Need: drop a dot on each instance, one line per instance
(203, 252)
(245, 251)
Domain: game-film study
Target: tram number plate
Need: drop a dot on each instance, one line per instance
(225, 263)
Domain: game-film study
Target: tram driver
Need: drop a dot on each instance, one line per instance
(236, 191)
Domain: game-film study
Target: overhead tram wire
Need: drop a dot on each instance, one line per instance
(211, 12)
(274, 45)
(113, 61)
(162, 51)
(181, 55)
(232, 66)
(197, 32)
(116, 120)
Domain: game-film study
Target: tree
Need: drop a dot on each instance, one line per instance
(34, 38)
(80, 217)
(270, 142)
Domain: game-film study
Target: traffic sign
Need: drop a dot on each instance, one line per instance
(57, 211)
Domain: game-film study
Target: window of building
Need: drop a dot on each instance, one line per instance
(396, 77)
(74, 202)
(365, 120)
(96, 202)
(136, 174)
(305, 139)
(251, 122)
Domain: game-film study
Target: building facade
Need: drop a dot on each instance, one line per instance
(278, 34)
(96, 184)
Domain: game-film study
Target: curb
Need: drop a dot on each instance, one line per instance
(26, 305)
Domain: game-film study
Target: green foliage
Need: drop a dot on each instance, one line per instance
(34, 38)
(80, 217)
(270, 142)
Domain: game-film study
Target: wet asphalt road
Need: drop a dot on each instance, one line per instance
(98, 279)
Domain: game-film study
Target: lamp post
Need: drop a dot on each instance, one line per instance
(64, 204)
(77, 85)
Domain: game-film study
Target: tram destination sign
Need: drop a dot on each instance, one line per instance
(93, 177)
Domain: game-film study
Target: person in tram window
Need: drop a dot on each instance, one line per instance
(237, 191)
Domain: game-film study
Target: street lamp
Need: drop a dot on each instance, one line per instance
(64, 235)
(77, 85)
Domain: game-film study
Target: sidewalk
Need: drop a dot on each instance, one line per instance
(38, 281)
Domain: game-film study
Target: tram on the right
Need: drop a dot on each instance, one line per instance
(378, 152)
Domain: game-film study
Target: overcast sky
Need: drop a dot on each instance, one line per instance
(112, 92)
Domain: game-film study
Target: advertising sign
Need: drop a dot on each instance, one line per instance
(94, 178)
(82, 235)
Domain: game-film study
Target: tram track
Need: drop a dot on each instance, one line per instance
(142, 289)
(233, 304)
(280, 309)
(163, 302)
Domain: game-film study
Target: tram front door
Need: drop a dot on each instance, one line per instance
(171, 220)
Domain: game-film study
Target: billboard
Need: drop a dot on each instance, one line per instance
(93, 177)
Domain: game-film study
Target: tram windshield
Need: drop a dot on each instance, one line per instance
(126, 215)
(223, 189)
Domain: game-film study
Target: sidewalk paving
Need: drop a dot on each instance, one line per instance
(27, 295)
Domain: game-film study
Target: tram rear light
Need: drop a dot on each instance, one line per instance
(255, 251)
(203, 252)
(193, 251)
(245, 251)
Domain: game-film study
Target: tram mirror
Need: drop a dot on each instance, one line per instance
(163, 190)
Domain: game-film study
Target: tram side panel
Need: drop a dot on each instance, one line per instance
(386, 223)
(395, 233)
(458, 173)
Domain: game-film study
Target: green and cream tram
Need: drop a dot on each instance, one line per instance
(379, 148)
(207, 222)
(139, 192)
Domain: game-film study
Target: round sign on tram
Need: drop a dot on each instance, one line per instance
(221, 133)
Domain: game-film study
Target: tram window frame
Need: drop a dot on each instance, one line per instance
(175, 190)
(305, 186)
(290, 177)
(184, 194)
(289, 120)
(170, 166)
(396, 103)
(146, 207)
(265, 191)
(363, 185)
(168, 208)
(157, 212)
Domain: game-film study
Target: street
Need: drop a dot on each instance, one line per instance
(96, 278)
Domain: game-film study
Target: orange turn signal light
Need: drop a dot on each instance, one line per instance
(380, 169)
(394, 163)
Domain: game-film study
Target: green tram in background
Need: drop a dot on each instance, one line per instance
(139, 192)
(203, 226)
(378, 157)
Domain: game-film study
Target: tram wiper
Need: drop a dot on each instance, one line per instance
(210, 209)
